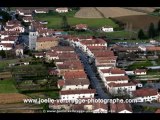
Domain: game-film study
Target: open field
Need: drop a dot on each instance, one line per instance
(12, 98)
(139, 21)
(7, 86)
(88, 12)
(117, 12)
(142, 9)
(55, 22)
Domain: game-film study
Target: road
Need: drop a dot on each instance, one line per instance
(95, 83)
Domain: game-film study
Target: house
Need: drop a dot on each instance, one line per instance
(74, 74)
(27, 19)
(24, 12)
(94, 42)
(19, 50)
(77, 94)
(100, 108)
(145, 95)
(107, 29)
(111, 72)
(120, 88)
(140, 72)
(137, 83)
(39, 55)
(14, 25)
(6, 46)
(62, 10)
(10, 39)
(81, 27)
(51, 56)
(109, 61)
(41, 10)
(74, 84)
(120, 108)
(116, 79)
(69, 66)
(45, 43)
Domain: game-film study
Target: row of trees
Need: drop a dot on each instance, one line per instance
(151, 33)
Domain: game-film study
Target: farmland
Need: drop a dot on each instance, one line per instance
(139, 21)
(7, 86)
(117, 12)
(54, 20)
(12, 98)
(88, 12)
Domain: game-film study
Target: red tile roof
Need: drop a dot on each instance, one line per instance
(61, 83)
(103, 53)
(75, 74)
(113, 71)
(93, 42)
(62, 48)
(120, 84)
(99, 105)
(118, 107)
(97, 47)
(75, 81)
(81, 26)
(145, 92)
(117, 78)
(140, 70)
(7, 45)
(84, 91)
(152, 48)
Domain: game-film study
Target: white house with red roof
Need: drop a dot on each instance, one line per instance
(121, 108)
(74, 84)
(81, 27)
(145, 95)
(111, 72)
(77, 94)
(120, 88)
(6, 46)
(62, 10)
(140, 72)
(107, 29)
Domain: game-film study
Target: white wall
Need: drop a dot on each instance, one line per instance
(146, 98)
(76, 96)
(114, 90)
(74, 87)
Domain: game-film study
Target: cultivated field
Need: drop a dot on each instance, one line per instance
(117, 12)
(142, 9)
(139, 21)
(88, 12)
(12, 98)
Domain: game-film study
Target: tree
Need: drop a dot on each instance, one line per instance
(158, 27)
(2, 53)
(141, 34)
(151, 31)
(65, 24)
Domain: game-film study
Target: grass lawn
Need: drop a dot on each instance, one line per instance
(138, 65)
(5, 63)
(54, 20)
(7, 86)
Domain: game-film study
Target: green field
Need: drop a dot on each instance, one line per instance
(54, 20)
(7, 86)
(138, 65)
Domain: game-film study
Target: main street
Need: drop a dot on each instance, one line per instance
(95, 83)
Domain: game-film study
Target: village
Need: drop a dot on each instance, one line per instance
(42, 62)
